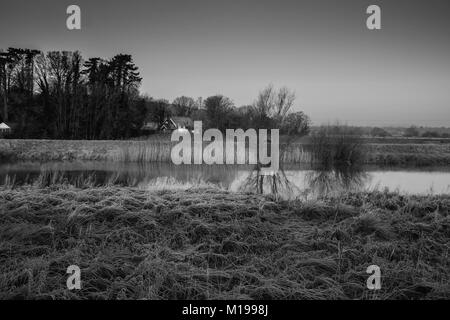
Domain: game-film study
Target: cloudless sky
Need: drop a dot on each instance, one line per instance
(399, 75)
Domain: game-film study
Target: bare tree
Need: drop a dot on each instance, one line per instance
(283, 103)
(185, 105)
(272, 106)
(5, 65)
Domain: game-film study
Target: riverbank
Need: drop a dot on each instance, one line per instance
(211, 244)
(421, 154)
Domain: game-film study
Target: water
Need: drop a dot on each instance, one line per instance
(291, 182)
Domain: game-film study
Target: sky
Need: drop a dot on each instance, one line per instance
(321, 49)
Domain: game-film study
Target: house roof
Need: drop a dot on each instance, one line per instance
(4, 126)
(183, 121)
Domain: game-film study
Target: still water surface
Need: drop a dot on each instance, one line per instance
(291, 182)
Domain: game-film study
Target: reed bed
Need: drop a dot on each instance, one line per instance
(206, 243)
(399, 154)
(143, 151)
(155, 150)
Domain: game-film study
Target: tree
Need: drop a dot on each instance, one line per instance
(430, 134)
(99, 85)
(411, 132)
(6, 60)
(18, 87)
(246, 115)
(60, 79)
(272, 107)
(218, 110)
(185, 106)
(158, 110)
(263, 107)
(283, 103)
(379, 132)
(126, 80)
(296, 124)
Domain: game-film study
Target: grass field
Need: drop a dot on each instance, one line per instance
(210, 244)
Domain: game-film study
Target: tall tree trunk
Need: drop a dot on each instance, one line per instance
(5, 94)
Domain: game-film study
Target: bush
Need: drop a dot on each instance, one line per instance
(6, 156)
(430, 134)
(379, 132)
(333, 146)
(411, 132)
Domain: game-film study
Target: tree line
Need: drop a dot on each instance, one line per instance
(59, 95)
(271, 109)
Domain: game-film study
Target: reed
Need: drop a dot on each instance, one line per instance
(158, 150)
(143, 151)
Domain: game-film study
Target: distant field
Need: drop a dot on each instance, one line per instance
(403, 154)
(211, 244)
(401, 140)
(387, 140)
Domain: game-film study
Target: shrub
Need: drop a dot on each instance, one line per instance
(333, 146)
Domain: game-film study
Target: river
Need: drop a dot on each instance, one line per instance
(293, 181)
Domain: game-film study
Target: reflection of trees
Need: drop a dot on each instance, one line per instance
(321, 181)
(277, 183)
(327, 180)
(338, 156)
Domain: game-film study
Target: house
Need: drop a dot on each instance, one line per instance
(4, 129)
(174, 123)
(169, 124)
(150, 127)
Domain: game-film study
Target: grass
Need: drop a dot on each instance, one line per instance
(206, 243)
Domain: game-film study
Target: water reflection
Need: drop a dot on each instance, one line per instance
(130, 174)
(310, 183)
(324, 181)
(277, 184)
(289, 182)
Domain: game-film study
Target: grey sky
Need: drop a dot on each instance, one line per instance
(399, 75)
